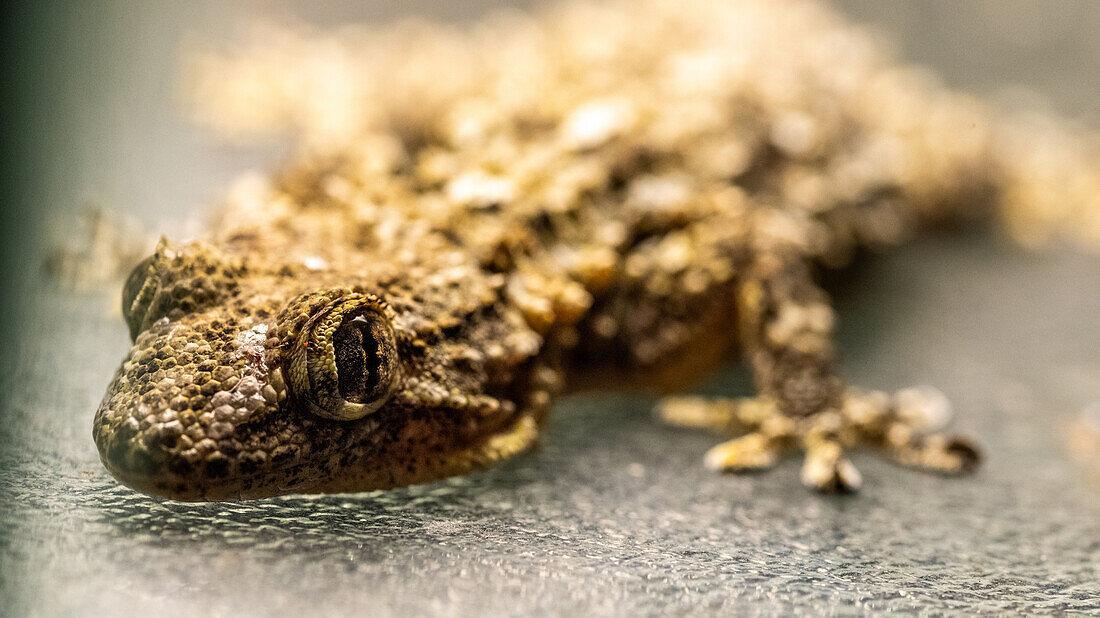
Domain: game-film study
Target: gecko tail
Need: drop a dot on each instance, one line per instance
(956, 160)
(1050, 182)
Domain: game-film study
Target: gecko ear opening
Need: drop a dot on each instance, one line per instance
(345, 363)
(141, 288)
(137, 293)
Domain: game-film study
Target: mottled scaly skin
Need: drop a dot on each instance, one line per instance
(607, 195)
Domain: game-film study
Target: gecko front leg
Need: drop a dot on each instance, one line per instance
(785, 330)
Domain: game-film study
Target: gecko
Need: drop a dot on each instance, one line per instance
(597, 196)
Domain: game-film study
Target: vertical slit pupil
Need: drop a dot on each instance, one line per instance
(357, 360)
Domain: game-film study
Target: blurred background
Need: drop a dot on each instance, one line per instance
(95, 116)
(618, 521)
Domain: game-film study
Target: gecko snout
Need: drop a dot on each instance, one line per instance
(182, 415)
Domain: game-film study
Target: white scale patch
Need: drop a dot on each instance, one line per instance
(250, 346)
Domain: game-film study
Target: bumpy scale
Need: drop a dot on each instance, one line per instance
(603, 195)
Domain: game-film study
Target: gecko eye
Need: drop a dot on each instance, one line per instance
(348, 357)
(363, 348)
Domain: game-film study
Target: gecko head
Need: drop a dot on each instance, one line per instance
(239, 385)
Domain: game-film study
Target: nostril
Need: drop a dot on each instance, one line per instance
(129, 450)
(125, 455)
(118, 447)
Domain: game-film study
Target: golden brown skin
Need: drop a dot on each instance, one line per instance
(606, 195)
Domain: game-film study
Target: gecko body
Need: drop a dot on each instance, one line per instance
(608, 195)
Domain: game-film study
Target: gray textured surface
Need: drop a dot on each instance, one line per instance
(614, 515)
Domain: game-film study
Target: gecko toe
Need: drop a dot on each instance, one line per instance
(827, 470)
(749, 453)
(952, 455)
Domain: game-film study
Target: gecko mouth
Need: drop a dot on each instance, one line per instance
(233, 481)
(165, 471)
(395, 447)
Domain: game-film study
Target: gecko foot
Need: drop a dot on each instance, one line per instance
(900, 426)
